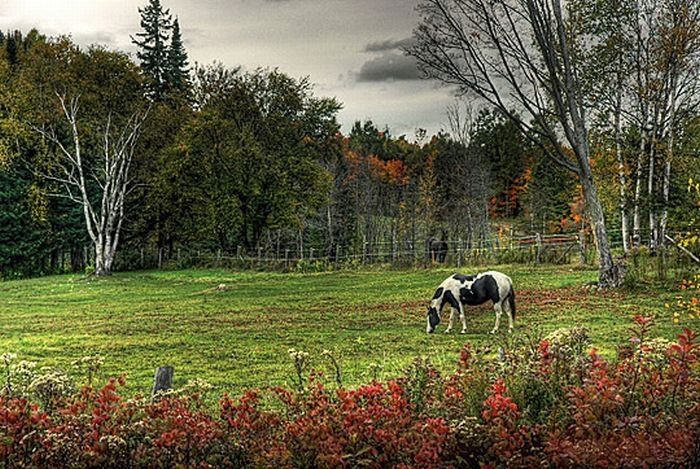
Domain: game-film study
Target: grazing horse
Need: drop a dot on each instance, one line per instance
(459, 290)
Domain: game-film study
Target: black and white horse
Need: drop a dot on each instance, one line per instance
(459, 291)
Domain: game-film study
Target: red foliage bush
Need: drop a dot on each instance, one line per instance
(641, 410)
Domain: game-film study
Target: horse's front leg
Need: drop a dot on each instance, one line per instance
(499, 311)
(452, 316)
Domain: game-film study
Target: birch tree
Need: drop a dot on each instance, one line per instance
(665, 90)
(679, 60)
(521, 57)
(610, 22)
(86, 110)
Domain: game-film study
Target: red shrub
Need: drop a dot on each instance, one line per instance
(643, 410)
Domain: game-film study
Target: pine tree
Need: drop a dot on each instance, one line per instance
(178, 77)
(153, 48)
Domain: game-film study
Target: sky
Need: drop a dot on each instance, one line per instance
(350, 49)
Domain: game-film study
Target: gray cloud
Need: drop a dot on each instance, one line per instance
(389, 44)
(389, 66)
(351, 49)
(95, 37)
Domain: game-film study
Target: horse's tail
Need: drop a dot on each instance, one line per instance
(511, 301)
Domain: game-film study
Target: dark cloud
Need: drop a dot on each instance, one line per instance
(389, 44)
(351, 49)
(389, 66)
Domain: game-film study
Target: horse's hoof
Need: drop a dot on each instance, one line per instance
(447, 331)
(493, 331)
(463, 332)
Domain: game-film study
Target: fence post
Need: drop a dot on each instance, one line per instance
(286, 258)
(163, 380)
(538, 240)
(259, 255)
(160, 258)
(142, 258)
(364, 249)
(582, 246)
(510, 240)
(178, 255)
(218, 257)
(311, 254)
(337, 254)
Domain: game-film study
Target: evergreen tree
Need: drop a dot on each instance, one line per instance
(153, 48)
(178, 77)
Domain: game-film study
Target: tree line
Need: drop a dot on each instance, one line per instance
(594, 126)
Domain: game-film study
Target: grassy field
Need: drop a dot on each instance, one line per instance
(239, 336)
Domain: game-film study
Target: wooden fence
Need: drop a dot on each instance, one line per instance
(536, 248)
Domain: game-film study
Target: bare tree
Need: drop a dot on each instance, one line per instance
(520, 55)
(100, 182)
(468, 177)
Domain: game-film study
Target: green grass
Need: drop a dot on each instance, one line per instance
(239, 337)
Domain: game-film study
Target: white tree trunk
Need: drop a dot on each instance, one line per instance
(621, 171)
(637, 221)
(103, 224)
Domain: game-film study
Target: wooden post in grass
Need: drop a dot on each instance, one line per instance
(160, 258)
(538, 240)
(286, 258)
(510, 239)
(163, 380)
(259, 255)
(364, 249)
(459, 253)
(142, 258)
(582, 246)
(337, 254)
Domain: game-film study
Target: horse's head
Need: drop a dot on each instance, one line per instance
(433, 319)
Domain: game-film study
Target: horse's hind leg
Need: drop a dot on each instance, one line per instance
(499, 310)
(463, 318)
(509, 312)
(452, 317)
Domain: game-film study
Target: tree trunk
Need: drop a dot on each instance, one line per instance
(653, 234)
(637, 222)
(622, 176)
(609, 274)
(667, 166)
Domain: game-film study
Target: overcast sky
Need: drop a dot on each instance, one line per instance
(349, 48)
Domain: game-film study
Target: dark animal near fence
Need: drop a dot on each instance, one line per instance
(460, 290)
(436, 250)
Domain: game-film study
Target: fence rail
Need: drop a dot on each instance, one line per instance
(536, 248)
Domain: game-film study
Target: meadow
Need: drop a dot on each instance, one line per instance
(235, 329)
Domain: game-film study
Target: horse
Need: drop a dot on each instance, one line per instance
(460, 290)
(436, 250)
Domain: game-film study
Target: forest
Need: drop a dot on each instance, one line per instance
(106, 156)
